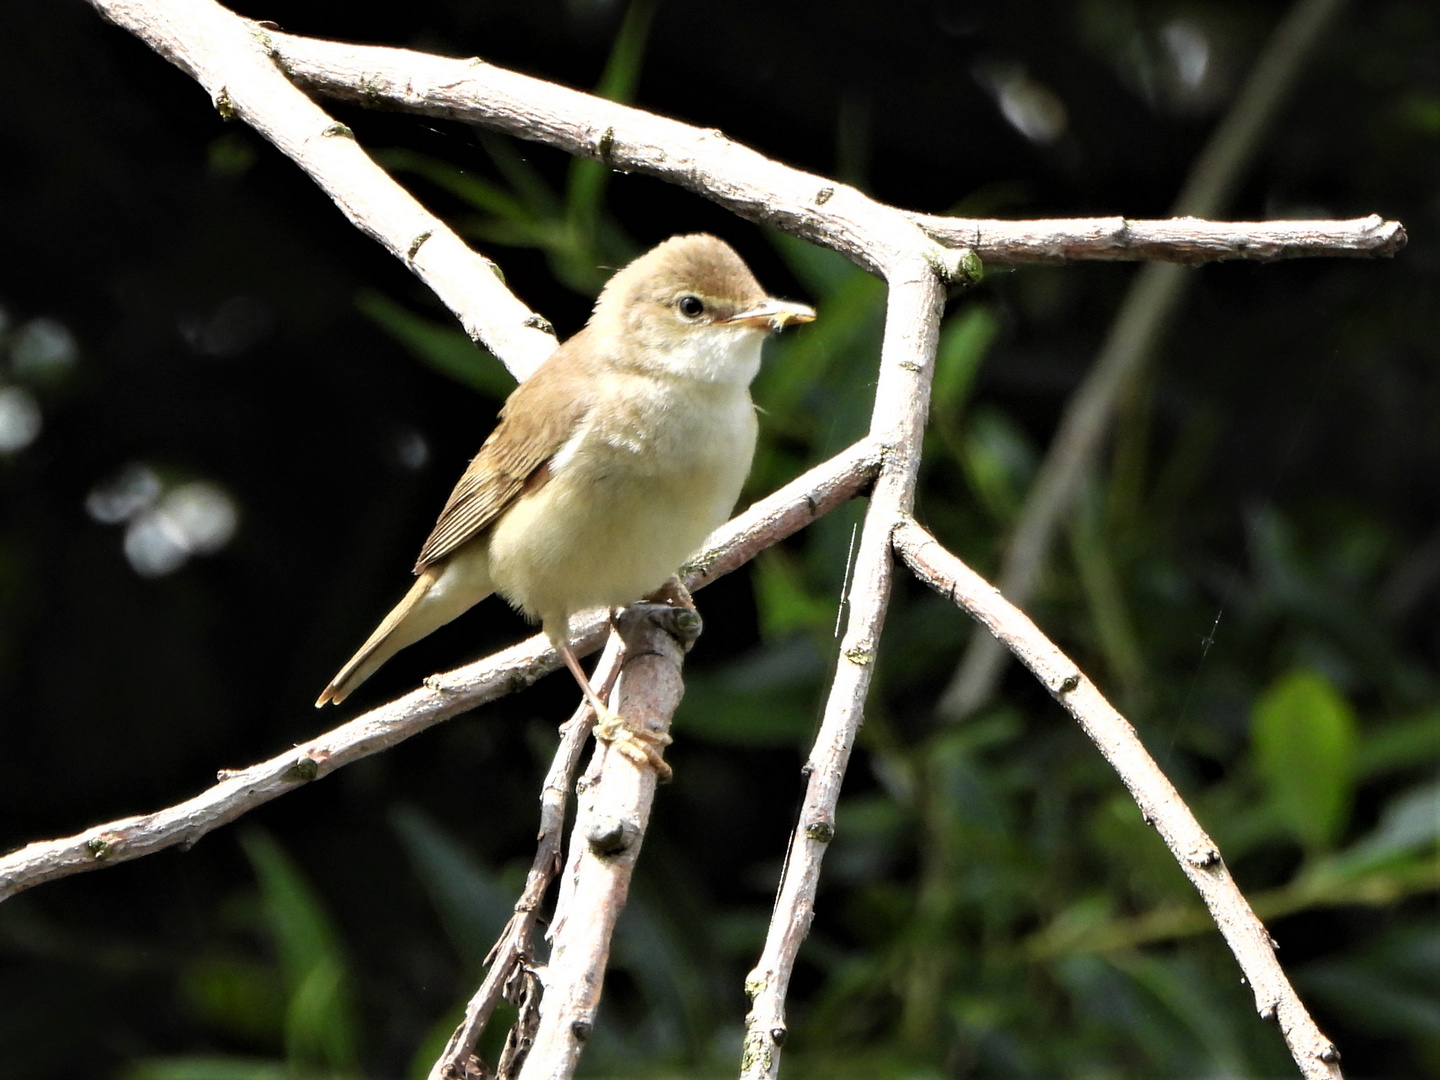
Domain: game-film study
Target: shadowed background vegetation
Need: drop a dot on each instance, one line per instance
(227, 420)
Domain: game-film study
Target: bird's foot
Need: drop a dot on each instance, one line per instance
(674, 593)
(639, 744)
(436, 683)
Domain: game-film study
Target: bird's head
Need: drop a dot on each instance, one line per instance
(691, 307)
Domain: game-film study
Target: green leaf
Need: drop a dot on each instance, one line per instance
(622, 69)
(478, 192)
(785, 600)
(1409, 824)
(1389, 983)
(1401, 744)
(321, 1026)
(965, 338)
(1304, 735)
(471, 902)
(1091, 544)
(524, 179)
(998, 461)
(808, 376)
(444, 348)
(237, 996)
(585, 188)
(766, 698)
(206, 1068)
(819, 269)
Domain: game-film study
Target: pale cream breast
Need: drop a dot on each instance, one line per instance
(631, 496)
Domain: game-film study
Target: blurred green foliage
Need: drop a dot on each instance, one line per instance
(297, 999)
(1247, 577)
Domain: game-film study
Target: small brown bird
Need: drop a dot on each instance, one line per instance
(610, 464)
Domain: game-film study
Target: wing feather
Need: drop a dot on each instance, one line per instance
(516, 456)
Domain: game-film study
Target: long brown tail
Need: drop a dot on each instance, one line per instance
(424, 608)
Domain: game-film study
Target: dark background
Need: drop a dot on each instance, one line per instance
(181, 301)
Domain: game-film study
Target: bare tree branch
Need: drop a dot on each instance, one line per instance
(242, 790)
(1189, 240)
(768, 521)
(706, 162)
(1157, 798)
(709, 164)
(613, 809)
(226, 55)
(1143, 317)
(902, 401)
(513, 951)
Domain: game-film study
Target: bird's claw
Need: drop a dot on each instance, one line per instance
(641, 745)
(673, 593)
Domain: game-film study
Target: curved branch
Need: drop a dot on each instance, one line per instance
(1159, 802)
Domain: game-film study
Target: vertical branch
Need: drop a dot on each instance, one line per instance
(1143, 316)
(614, 801)
(513, 951)
(902, 401)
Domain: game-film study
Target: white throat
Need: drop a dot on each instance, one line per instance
(714, 354)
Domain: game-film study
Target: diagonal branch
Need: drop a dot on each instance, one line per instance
(902, 401)
(1145, 313)
(768, 521)
(1157, 798)
(226, 55)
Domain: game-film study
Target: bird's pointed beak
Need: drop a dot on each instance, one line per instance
(771, 314)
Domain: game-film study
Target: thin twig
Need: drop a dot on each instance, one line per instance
(708, 163)
(613, 809)
(227, 56)
(1142, 318)
(1159, 802)
(1189, 240)
(902, 399)
(243, 790)
(772, 519)
(513, 949)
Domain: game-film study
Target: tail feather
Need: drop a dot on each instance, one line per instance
(439, 594)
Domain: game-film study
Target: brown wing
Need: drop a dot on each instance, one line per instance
(515, 457)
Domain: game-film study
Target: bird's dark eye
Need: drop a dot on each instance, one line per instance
(690, 306)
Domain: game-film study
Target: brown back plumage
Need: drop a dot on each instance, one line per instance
(514, 456)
